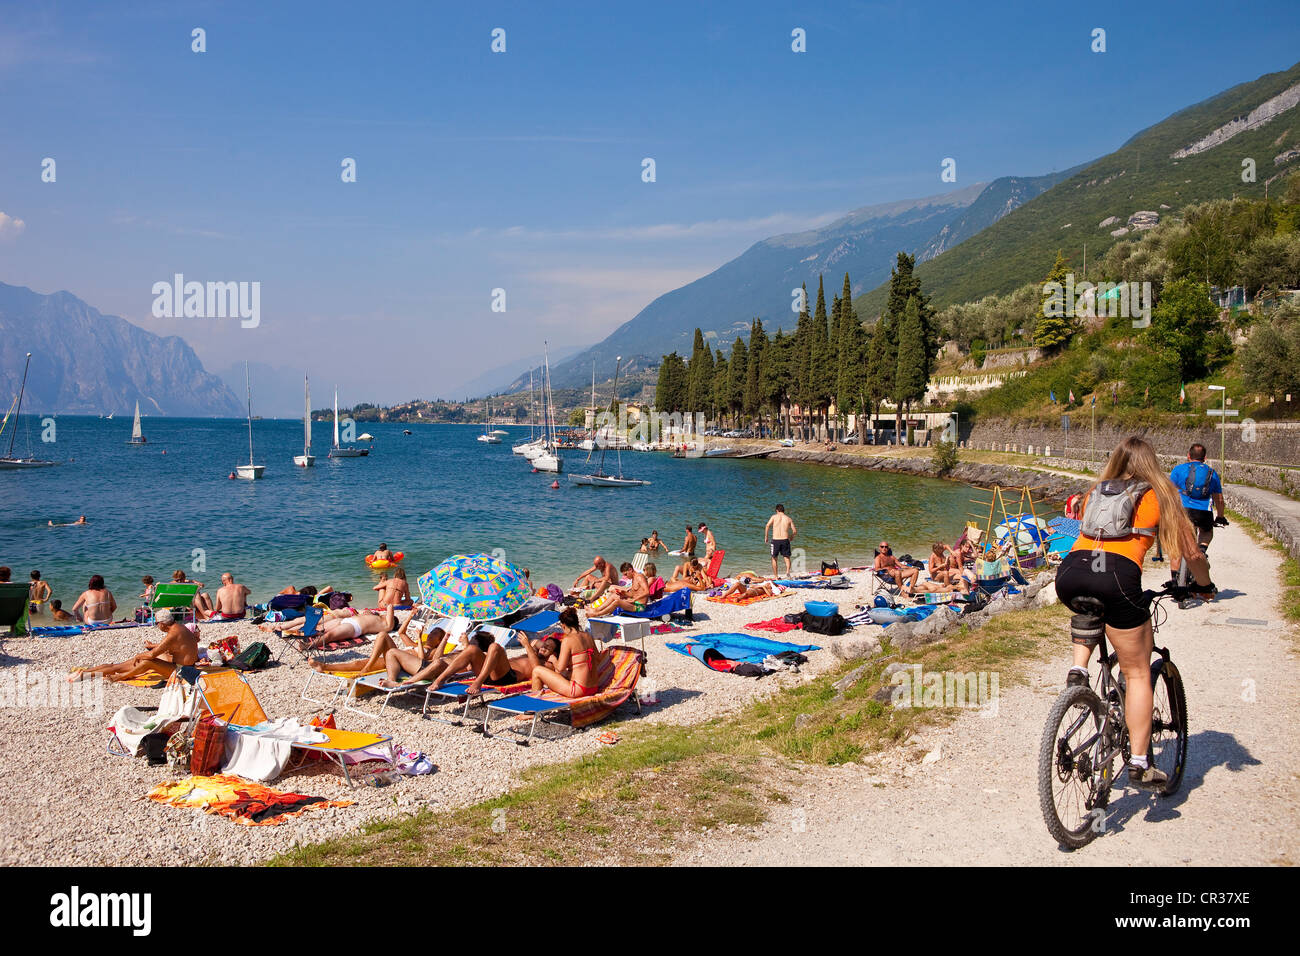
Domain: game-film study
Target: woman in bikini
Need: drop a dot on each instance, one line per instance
(96, 604)
(578, 660)
(491, 667)
(689, 574)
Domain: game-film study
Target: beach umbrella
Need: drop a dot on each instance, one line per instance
(1029, 532)
(477, 586)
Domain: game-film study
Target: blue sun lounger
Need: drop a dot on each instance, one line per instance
(677, 602)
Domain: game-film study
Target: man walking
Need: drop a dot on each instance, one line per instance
(1198, 484)
(781, 530)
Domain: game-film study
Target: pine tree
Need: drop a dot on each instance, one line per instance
(911, 378)
(821, 363)
(1053, 328)
(904, 285)
(776, 376)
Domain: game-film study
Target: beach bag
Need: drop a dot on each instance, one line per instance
(177, 753)
(209, 746)
(337, 600)
(1198, 490)
(829, 624)
(254, 658)
(830, 568)
(154, 744)
(1111, 506)
(285, 602)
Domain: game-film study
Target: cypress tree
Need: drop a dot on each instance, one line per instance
(911, 377)
(882, 362)
(1052, 327)
(904, 285)
(754, 397)
(737, 377)
(820, 361)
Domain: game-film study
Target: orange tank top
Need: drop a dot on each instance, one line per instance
(1135, 546)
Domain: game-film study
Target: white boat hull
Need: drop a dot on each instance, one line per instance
(548, 462)
(605, 481)
(489, 439)
(250, 472)
(349, 452)
(304, 461)
(12, 464)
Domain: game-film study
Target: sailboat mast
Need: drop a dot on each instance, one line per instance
(306, 414)
(21, 390)
(248, 387)
(336, 416)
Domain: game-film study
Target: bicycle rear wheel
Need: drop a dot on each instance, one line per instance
(1168, 723)
(1071, 786)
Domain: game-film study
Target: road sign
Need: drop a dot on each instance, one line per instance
(1218, 411)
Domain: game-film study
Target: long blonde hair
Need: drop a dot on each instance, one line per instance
(1135, 458)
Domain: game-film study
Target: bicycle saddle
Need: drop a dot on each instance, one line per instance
(1084, 604)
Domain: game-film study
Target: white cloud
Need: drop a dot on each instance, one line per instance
(705, 229)
(10, 227)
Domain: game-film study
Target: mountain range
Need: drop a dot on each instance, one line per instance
(759, 282)
(85, 362)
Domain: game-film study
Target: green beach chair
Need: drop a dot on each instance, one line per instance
(13, 608)
(174, 597)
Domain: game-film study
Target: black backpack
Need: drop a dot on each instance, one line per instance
(830, 568)
(829, 624)
(255, 657)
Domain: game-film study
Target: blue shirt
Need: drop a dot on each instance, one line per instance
(1179, 477)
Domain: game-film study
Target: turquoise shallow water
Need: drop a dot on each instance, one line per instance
(430, 494)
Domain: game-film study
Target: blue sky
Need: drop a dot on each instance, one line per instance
(522, 170)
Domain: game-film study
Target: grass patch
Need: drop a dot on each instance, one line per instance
(1288, 573)
(636, 803)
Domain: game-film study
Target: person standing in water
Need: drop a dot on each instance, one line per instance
(781, 530)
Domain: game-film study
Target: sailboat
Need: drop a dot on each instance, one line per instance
(250, 472)
(533, 447)
(306, 459)
(338, 451)
(490, 438)
(137, 433)
(549, 459)
(9, 461)
(599, 479)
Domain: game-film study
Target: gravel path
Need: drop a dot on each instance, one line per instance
(68, 802)
(978, 803)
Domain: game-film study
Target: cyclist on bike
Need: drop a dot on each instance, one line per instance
(1198, 484)
(1123, 513)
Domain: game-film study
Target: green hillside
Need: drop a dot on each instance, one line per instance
(1141, 175)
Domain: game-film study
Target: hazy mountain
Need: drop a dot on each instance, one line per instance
(759, 282)
(85, 362)
(503, 377)
(1193, 156)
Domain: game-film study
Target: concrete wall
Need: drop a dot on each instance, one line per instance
(1266, 443)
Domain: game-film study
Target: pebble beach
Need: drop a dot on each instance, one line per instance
(70, 802)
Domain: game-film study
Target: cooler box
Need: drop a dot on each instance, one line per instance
(821, 608)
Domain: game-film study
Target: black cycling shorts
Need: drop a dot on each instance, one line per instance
(780, 547)
(1118, 585)
(1201, 520)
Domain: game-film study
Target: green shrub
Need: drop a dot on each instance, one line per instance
(945, 456)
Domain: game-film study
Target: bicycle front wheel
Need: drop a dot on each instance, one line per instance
(1071, 784)
(1168, 723)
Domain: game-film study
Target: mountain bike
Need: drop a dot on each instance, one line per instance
(1086, 730)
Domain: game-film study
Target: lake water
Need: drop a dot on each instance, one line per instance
(430, 494)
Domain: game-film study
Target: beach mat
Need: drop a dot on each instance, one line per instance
(711, 649)
(248, 804)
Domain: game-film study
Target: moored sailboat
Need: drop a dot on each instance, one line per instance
(249, 472)
(306, 459)
(137, 433)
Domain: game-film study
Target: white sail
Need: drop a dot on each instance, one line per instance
(137, 433)
(306, 415)
(336, 418)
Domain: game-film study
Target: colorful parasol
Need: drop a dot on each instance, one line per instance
(477, 586)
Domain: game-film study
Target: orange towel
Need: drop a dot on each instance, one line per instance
(248, 804)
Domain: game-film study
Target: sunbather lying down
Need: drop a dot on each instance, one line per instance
(937, 587)
(488, 660)
(749, 585)
(178, 648)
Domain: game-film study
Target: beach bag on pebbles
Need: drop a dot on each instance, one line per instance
(829, 624)
(337, 600)
(254, 658)
(209, 747)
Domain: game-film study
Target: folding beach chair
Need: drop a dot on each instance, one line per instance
(298, 642)
(617, 674)
(639, 561)
(227, 695)
(173, 597)
(13, 608)
(714, 569)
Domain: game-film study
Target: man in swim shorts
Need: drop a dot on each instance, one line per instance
(781, 530)
(178, 648)
(232, 600)
(595, 581)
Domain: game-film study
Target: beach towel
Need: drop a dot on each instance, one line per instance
(669, 628)
(617, 674)
(151, 679)
(248, 804)
(742, 601)
(676, 602)
(722, 652)
(818, 583)
(778, 624)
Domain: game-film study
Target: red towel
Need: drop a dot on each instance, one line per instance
(778, 624)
